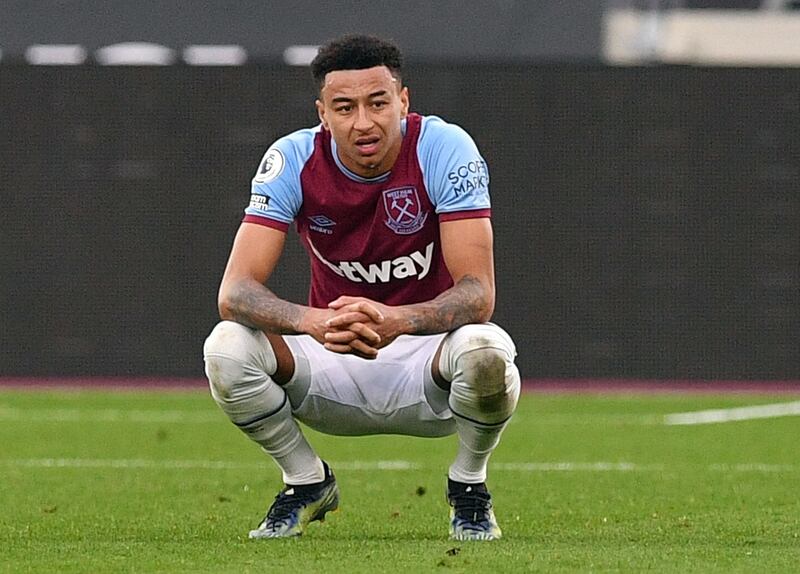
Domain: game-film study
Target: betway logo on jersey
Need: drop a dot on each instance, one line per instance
(414, 264)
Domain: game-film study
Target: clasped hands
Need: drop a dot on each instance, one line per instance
(357, 326)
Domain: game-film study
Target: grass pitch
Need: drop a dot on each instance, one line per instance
(162, 482)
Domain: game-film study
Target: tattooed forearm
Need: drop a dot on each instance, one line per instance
(465, 302)
(250, 303)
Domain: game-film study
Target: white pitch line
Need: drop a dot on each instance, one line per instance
(575, 466)
(126, 463)
(189, 464)
(381, 465)
(349, 465)
(735, 414)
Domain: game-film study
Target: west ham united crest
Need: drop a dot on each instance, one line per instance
(404, 210)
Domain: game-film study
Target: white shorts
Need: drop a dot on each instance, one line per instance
(393, 394)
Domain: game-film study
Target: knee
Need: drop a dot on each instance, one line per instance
(482, 358)
(231, 357)
(484, 370)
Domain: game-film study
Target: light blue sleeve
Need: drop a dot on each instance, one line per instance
(275, 192)
(454, 172)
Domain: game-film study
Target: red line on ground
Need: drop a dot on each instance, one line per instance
(528, 385)
(132, 383)
(659, 386)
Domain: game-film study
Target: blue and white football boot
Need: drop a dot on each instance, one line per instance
(296, 506)
(471, 514)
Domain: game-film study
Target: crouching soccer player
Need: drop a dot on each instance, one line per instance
(393, 210)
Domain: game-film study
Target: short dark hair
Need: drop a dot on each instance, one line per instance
(356, 52)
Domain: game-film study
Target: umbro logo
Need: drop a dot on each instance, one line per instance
(321, 224)
(322, 220)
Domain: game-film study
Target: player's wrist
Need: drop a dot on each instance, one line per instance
(404, 322)
(309, 320)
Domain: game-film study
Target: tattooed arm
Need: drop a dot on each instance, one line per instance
(467, 247)
(244, 297)
(465, 302)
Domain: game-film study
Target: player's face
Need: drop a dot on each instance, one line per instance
(363, 110)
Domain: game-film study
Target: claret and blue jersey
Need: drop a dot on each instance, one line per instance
(376, 238)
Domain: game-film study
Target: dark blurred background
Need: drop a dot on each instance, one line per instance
(646, 195)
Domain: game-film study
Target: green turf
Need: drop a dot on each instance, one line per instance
(161, 482)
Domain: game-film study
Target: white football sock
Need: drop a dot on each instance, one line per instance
(475, 445)
(239, 361)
